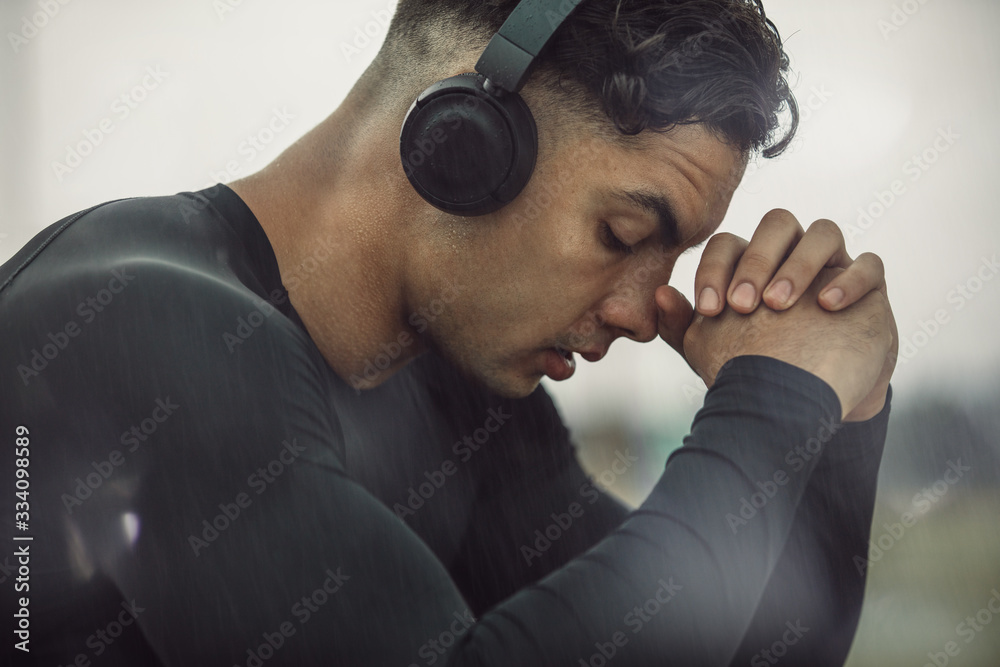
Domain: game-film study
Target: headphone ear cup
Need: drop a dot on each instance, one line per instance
(464, 150)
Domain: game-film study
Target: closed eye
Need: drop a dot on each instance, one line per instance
(610, 240)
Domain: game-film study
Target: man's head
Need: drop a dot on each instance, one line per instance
(625, 65)
(647, 112)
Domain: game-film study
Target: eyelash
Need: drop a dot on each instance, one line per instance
(609, 239)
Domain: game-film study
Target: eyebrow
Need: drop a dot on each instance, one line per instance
(659, 207)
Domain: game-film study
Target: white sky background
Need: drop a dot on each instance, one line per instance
(878, 98)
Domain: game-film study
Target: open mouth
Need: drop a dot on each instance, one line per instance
(559, 363)
(567, 355)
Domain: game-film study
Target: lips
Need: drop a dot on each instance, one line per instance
(560, 363)
(567, 355)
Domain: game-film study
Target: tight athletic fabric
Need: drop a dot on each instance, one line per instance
(204, 490)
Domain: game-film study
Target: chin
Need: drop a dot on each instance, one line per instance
(505, 382)
(522, 389)
(500, 374)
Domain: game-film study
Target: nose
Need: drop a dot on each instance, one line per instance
(630, 310)
(631, 317)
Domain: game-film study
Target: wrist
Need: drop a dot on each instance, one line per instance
(869, 408)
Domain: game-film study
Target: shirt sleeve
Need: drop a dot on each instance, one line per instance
(675, 584)
(532, 522)
(812, 603)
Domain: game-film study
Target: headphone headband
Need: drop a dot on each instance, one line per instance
(510, 55)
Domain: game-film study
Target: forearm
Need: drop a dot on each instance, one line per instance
(812, 603)
(674, 581)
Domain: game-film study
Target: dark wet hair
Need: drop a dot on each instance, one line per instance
(645, 64)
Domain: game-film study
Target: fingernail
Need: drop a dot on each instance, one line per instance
(833, 297)
(781, 291)
(708, 300)
(744, 295)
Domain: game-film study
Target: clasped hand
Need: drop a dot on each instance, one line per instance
(793, 295)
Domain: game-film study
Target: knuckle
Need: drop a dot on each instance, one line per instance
(875, 261)
(778, 214)
(711, 270)
(690, 340)
(724, 240)
(876, 300)
(755, 263)
(854, 289)
(797, 268)
(782, 218)
(828, 273)
(716, 262)
(827, 228)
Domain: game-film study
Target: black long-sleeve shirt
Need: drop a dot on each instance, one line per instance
(203, 489)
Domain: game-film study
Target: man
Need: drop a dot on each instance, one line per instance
(297, 421)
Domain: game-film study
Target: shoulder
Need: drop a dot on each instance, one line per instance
(131, 303)
(180, 230)
(168, 257)
(154, 263)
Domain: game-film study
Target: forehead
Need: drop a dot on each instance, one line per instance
(688, 166)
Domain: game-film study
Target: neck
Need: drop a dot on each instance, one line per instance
(332, 207)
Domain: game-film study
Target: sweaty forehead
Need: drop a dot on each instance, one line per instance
(689, 166)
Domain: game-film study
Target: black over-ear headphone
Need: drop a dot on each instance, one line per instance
(469, 142)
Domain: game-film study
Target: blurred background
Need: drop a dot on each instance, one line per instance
(101, 99)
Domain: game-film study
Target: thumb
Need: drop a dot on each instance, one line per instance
(675, 314)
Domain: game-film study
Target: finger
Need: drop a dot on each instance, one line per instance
(777, 233)
(715, 271)
(674, 317)
(821, 246)
(865, 274)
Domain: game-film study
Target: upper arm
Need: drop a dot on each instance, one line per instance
(244, 500)
(214, 494)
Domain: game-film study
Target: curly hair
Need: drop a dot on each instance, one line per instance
(645, 64)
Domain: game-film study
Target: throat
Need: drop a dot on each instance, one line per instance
(359, 343)
(334, 225)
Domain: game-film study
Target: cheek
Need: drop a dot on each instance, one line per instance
(553, 259)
